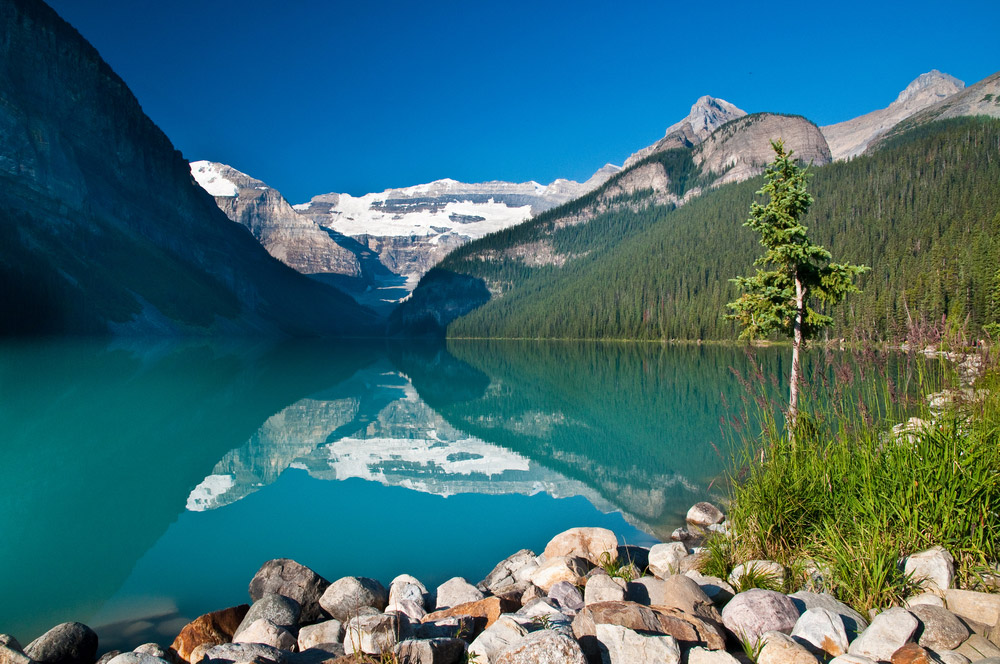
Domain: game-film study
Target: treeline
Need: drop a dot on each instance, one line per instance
(923, 212)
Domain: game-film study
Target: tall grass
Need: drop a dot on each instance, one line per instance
(854, 500)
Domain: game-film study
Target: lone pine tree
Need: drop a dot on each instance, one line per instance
(779, 299)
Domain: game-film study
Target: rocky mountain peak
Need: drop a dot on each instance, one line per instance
(706, 115)
(928, 89)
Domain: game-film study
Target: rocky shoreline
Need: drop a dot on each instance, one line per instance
(584, 599)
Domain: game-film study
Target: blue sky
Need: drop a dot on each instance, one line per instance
(314, 97)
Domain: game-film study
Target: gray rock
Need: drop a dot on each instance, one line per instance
(406, 587)
(704, 514)
(923, 598)
(371, 634)
(854, 623)
(505, 574)
(821, 630)
(321, 653)
(981, 607)
(779, 648)
(569, 598)
(264, 631)
(665, 559)
(646, 590)
(136, 658)
(283, 576)
(953, 657)
(430, 651)
(246, 652)
(620, 645)
(414, 612)
(103, 659)
(852, 659)
(329, 631)
(749, 614)
(977, 648)
(10, 655)
(680, 592)
(542, 647)
(455, 591)
(940, 629)
(68, 643)
(886, 634)
(603, 588)
(715, 589)
(933, 569)
(349, 597)
(444, 628)
(156, 650)
(496, 637)
(280, 610)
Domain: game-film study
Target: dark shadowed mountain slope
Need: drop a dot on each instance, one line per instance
(103, 230)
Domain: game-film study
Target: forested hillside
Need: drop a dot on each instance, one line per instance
(923, 212)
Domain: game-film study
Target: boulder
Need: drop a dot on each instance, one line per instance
(542, 647)
(246, 652)
(371, 634)
(158, 651)
(429, 651)
(265, 631)
(559, 568)
(545, 612)
(283, 576)
(689, 629)
(888, 632)
(638, 556)
(506, 573)
(779, 648)
(488, 609)
(68, 643)
(9, 655)
(976, 648)
(940, 629)
(8, 641)
(683, 593)
(569, 597)
(911, 653)
(953, 657)
(933, 569)
(972, 605)
(851, 659)
(923, 599)
(136, 658)
(620, 645)
(665, 559)
(445, 628)
(717, 590)
(854, 622)
(597, 545)
(348, 597)
(414, 612)
(505, 631)
(772, 571)
(329, 631)
(749, 614)
(704, 515)
(406, 587)
(603, 588)
(681, 535)
(280, 610)
(455, 591)
(532, 592)
(821, 630)
(210, 629)
(106, 657)
(699, 655)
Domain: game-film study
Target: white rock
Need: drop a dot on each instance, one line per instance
(665, 559)
(952, 657)
(371, 634)
(699, 655)
(455, 591)
(923, 599)
(933, 569)
(886, 634)
(264, 631)
(325, 632)
(405, 586)
(558, 569)
(408, 608)
(542, 647)
(823, 630)
(620, 645)
(717, 590)
(779, 648)
(495, 638)
(852, 659)
(752, 613)
(603, 588)
(598, 545)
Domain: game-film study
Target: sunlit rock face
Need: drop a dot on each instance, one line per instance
(707, 114)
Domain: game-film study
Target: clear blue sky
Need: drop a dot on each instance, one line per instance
(313, 97)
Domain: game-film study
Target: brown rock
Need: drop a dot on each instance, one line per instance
(780, 648)
(632, 615)
(211, 629)
(911, 653)
(490, 608)
(594, 544)
(691, 630)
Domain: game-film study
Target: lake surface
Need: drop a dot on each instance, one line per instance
(145, 483)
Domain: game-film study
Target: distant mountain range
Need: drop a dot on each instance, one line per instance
(397, 235)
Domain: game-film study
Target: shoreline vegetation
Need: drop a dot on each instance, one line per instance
(871, 535)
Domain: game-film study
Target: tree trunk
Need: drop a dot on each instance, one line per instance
(793, 396)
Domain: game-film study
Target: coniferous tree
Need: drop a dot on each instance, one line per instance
(778, 299)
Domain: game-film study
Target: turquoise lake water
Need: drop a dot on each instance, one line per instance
(145, 483)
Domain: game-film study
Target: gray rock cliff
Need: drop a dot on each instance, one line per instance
(707, 114)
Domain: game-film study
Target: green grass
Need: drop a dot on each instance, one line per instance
(855, 501)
